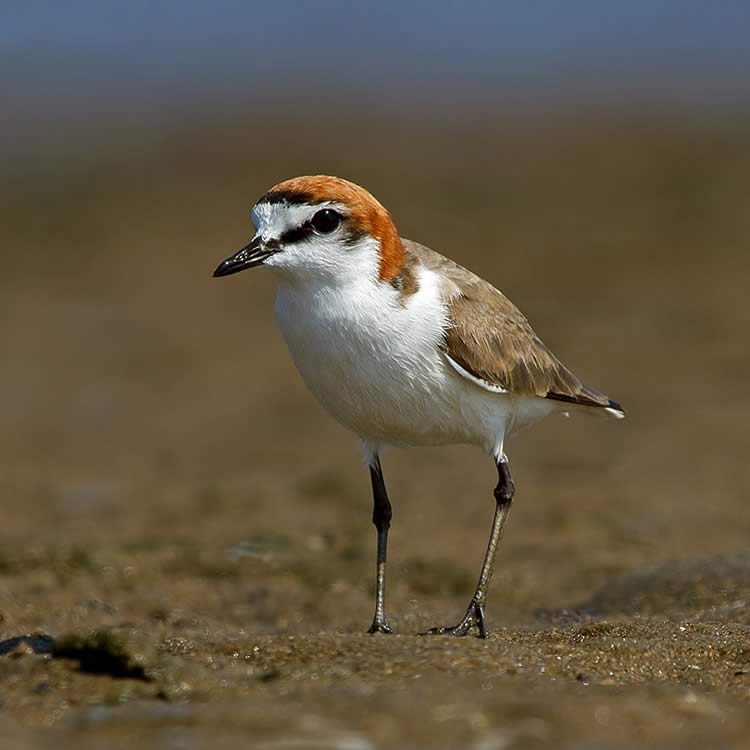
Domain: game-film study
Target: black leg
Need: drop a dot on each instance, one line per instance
(381, 517)
(475, 613)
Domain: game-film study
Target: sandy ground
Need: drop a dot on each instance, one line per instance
(186, 555)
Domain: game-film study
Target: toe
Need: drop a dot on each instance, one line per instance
(434, 631)
(456, 630)
(379, 627)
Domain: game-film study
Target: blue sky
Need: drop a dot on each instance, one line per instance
(683, 51)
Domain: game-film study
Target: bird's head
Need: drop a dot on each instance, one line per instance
(321, 228)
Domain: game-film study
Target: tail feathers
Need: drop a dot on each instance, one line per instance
(592, 403)
(589, 405)
(615, 409)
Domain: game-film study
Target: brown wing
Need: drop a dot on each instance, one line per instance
(493, 342)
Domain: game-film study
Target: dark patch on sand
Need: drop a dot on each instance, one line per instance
(100, 652)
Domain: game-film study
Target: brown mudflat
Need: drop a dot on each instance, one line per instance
(186, 556)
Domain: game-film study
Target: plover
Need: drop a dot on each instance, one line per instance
(403, 346)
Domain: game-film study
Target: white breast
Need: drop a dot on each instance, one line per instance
(374, 361)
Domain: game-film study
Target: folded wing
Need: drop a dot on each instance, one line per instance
(490, 342)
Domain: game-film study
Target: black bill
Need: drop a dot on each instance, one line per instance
(250, 256)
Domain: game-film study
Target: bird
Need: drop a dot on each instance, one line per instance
(403, 346)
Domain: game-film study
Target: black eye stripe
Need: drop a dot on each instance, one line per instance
(304, 231)
(298, 234)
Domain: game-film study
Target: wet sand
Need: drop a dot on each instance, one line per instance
(187, 557)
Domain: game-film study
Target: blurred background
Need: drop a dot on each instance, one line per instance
(590, 159)
(163, 469)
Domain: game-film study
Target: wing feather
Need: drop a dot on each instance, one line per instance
(490, 343)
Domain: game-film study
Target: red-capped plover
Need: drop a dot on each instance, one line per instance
(402, 345)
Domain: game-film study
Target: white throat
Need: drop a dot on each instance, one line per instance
(326, 262)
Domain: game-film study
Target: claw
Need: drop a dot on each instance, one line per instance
(474, 617)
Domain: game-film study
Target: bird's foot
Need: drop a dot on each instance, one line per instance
(474, 617)
(379, 625)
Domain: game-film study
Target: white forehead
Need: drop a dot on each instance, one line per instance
(273, 219)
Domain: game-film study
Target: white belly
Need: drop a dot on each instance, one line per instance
(375, 364)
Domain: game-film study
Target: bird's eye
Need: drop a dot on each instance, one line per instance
(326, 221)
